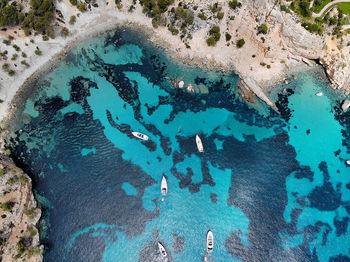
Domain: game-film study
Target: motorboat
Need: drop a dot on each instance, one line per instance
(319, 94)
(210, 241)
(162, 250)
(164, 186)
(199, 144)
(140, 135)
(347, 162)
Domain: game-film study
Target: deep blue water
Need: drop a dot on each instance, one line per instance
(271, 187)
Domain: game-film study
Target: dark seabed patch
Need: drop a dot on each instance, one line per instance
(258, 185)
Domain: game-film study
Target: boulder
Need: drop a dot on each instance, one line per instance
(345, 105)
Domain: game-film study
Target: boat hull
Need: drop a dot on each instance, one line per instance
(210, 241)
(199, 144)
(162, 250)
(140, 135)
(164, 186)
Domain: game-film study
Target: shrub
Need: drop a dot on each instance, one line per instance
(268, 66)
(24, 54)
(1, 172)
(8, 15)
(5, 66)
(11, 72)
(34, 251)
(240, 43)
(64, 31)
(202, 16)
(215, 32)
(10, 181)
(14, 57)
(21, 248)
(38, 52)
(72, 20)
(220, 15)
(82, 7)
(24, 62)
(29, 213)
(23, 180)
(211, 41)
(45, 38)
(263, 64)
(8, 206)
(6, 42)
(263, 29)
(173, 30)
(215, 8)
(73, 2)
(32, 232)
(228, 37)
(233, 4)
(285, 9)
(17, 48)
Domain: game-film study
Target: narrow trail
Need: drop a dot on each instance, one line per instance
(327, 6)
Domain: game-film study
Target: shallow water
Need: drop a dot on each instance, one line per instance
(271, 187)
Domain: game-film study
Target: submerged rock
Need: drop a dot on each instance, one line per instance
(181, 84)
(345, 105)
(190, 89)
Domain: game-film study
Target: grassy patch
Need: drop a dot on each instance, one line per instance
(345, 8)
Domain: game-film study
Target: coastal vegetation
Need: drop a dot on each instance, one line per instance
(214, 36)
(331, 20)
(8, 206)
(240, 43)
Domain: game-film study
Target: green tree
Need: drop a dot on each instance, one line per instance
(263, 29)
(64, 31)
(72, 20)
(211, 41)
(233, 4)
(7, 206)
(240, 43)
(8, 16)
(82, 7)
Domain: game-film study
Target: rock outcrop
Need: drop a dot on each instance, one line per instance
(19, 236)
(345, 105)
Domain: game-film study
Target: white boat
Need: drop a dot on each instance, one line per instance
(164, 186)
(347, 162)
(210, 241)
(140, 135)
(319, 94)
(199, 144)
(162, 250)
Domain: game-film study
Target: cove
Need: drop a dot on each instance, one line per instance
(269, 186)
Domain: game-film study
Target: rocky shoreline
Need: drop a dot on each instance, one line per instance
(20, 214)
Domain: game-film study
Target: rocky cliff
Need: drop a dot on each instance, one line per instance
(19, 236)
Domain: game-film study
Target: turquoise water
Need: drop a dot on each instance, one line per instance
(271, 187)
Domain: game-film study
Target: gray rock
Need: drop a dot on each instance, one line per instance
(345, 105)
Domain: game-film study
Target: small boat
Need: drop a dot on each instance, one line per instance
(210, 241)
(162, 250)
(164, 186)
(319, 94)
(199, 144)
(347, 162)
(140, 135)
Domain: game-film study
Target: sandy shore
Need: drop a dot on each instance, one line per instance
(105, 17)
